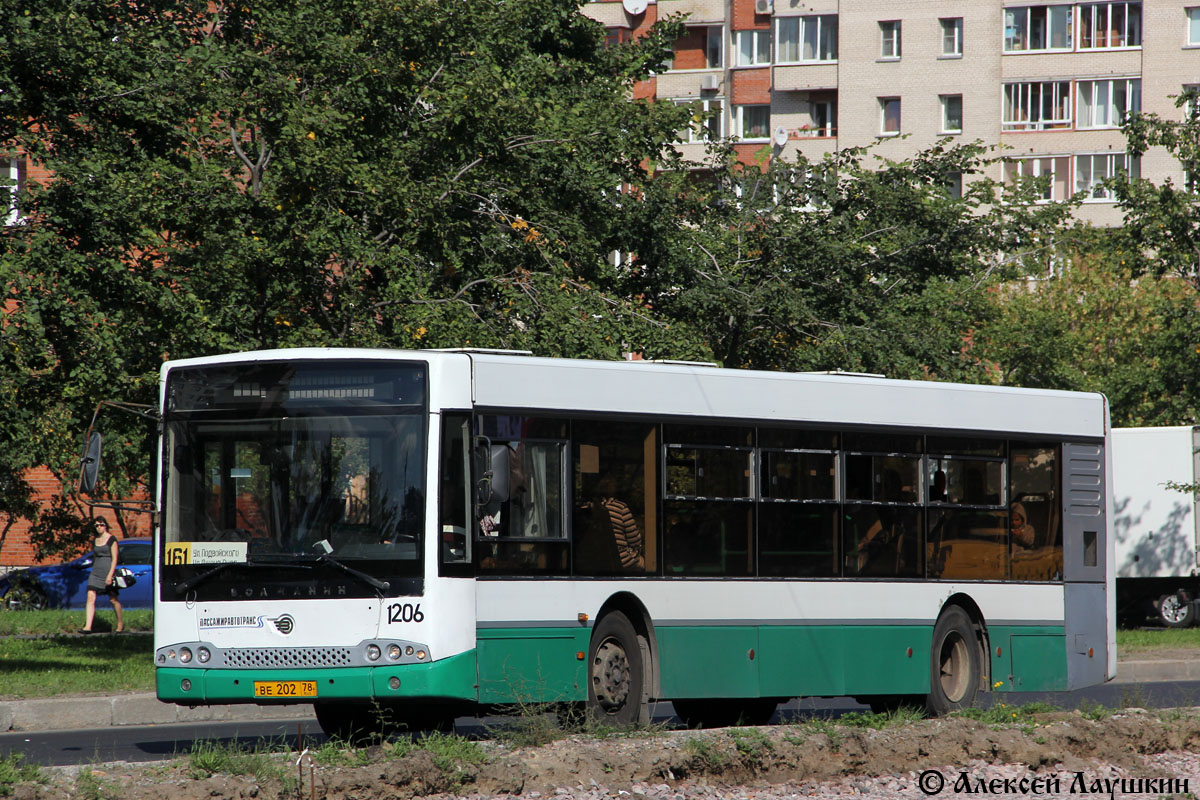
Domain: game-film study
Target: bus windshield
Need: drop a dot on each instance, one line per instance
(312, 476)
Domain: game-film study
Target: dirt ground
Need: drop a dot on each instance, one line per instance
(808, 751)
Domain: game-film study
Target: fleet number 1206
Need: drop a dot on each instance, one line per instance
(405, 612)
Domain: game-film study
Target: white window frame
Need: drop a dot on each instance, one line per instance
(821, 28)
(1031, 96)
(1025, 18)
(1096, 106)
(14, 176)
(946, 101)
(884, 102)
(757, 40)
(701, 131)
(741, 121)
(889, 40)
(952, 37)
(1037, 166)
(1097, 17)
(1088, 178)
(1191, 34)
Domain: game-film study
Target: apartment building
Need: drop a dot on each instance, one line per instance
(1050, 81)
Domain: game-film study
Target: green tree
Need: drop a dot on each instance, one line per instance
(329, 172)
(1098, 325)
(843, 263)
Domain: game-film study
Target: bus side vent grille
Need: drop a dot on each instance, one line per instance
(268, 657)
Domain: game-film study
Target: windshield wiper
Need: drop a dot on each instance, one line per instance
(196, 580)
(370, 580)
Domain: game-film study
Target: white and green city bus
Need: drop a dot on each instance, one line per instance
(429, 532)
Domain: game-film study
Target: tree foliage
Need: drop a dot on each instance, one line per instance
(229, 176)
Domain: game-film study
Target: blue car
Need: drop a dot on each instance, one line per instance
(65, 585)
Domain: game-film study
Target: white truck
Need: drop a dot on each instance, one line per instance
(1156, 523)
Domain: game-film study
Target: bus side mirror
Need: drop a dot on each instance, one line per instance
(499, 457)
(492, 461)
(89, 471)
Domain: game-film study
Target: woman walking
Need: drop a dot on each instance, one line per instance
(104, 567)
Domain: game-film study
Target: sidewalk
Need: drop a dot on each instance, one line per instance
(67, 713)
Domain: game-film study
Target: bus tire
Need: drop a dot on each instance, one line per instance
(954, 664)
(616, 673)
(1176, 610)
(723, 713)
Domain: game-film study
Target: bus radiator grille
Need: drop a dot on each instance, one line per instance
(268, 657)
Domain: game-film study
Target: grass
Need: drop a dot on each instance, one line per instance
(12, 772)
(1143, 641)
(215, 758)
(67, 665)
(46, 623)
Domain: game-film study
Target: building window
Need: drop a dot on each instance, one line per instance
(952, 182)
(952, 37)
(951, 113)
(1092, 170)
(12, 179)
(753, 48)
(708, 120)
(753, 122)
(1035, 28)
(1105, 104)
(823, 114)
(615, 36)
(699, 48)
(889, 37)
(1193, 27)
(813, 38)
(1110, 25)
(1052, 170)
(1036, 106)
(889, 116)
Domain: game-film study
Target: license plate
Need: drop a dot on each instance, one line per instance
(285, 688)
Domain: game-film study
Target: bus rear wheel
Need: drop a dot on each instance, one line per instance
(955, 668)
(616, 673)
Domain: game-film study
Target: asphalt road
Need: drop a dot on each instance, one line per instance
(140, 743)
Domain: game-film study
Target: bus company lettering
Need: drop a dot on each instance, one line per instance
(231, 622)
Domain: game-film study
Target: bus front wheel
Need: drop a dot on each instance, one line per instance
(955, 667)
(616, 673)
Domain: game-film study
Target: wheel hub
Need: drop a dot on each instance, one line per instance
(610, 676)
(954, 659)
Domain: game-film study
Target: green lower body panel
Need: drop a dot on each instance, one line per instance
(793, 660)
(519, 665)
(1028, 658)
(451, 678)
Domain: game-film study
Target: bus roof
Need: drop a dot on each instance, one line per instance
(514, 382)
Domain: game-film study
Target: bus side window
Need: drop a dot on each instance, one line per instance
(454, 539)
(520, 513)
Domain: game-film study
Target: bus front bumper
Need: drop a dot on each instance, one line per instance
(451, 678)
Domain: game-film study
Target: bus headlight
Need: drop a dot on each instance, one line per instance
(185, 655)
(393, 651)
(373, 652)
(203, 655)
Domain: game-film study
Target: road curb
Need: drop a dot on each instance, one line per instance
(131, 709)
(1158, 670)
